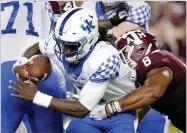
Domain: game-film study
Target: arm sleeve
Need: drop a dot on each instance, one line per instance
(95, 88)
(92, 93)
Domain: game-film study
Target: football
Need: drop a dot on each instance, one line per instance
(41, 68)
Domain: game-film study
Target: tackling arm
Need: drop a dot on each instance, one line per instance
(156, 83)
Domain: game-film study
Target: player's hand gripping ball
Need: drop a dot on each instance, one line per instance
(41, 69)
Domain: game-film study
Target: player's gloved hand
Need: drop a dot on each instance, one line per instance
(71, 96)
(20, 69)
(98, 113)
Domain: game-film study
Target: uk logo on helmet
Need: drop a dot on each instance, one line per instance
(88, 26)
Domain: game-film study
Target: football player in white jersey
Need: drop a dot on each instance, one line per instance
(24, 23)
(93, 66)
(119, 17)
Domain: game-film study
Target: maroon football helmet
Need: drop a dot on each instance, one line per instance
(134, 45)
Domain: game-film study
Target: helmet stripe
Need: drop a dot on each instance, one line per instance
(66, 19)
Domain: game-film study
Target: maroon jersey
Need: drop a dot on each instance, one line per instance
(173, 102)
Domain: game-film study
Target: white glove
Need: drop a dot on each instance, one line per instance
(71, 96)
(98, 113)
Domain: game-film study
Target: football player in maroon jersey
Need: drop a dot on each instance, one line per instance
(161, 77)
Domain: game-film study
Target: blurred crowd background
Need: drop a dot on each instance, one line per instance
(168, 24)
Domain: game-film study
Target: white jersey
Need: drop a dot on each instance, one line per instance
(101, 75)
(23, 23)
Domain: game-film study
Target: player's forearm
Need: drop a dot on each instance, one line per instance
(33, 50)
(72, 108)
(127, 105)
(154, 88)
(137, 99)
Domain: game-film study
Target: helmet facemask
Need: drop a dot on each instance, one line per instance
(125, 54)
(71, 51)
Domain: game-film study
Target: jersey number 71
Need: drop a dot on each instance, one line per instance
(15, 4)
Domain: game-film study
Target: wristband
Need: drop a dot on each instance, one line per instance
(42, 99)
(22, 60)
(117, 105)
(114, 107)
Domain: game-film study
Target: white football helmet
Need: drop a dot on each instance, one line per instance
(76, 32)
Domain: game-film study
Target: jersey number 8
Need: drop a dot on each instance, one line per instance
(146, 61)
(9, 28)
